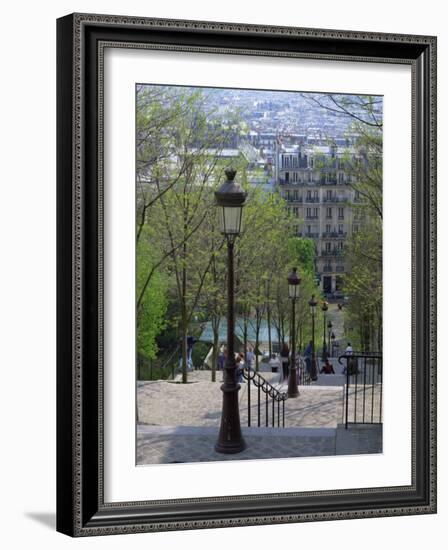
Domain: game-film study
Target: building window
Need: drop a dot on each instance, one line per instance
(328, 247)
(341, 213)
(315, 212)
(329, 212)
(328, 228)
(308, 195)
(341, 177)
(329, 194)
(296, 211)
(308, 212)
(341, 228)
(296, 195)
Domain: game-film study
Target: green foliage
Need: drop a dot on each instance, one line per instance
(302, 251)
(152, 309)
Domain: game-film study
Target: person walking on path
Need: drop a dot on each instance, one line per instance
(222, 357)
(352, 367)
(250, 356)
(239, 367)
(284, 358)
(307, 355)
(191, 341)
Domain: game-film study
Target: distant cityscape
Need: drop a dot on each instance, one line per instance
(296, 146)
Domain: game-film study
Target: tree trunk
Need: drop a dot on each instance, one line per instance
(256, 347)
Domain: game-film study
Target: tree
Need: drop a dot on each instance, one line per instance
(364, 166)
(176, 178)
(151, 314)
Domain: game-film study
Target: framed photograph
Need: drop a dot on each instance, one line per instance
(246, 274)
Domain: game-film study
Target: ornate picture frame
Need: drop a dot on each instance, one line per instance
(81, 506)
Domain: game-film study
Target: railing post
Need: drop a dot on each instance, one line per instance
(248, 397)
(346, 392)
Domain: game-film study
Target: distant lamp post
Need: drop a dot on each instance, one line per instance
(230, 199)
(333, 337)
(313, 310)
(330, 326)
(324, 345)
(293, 290)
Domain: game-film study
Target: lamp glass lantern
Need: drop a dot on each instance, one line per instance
(230, 197)
(313, 306)
(293, 284)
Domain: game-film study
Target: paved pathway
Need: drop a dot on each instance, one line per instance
(199, 403)
(180, 422)
(170, 445)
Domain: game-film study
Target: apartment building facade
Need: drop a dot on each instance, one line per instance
(316, 183)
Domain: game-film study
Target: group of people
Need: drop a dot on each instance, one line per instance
(283, 360)
(240, 360)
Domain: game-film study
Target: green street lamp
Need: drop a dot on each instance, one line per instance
(230, 199)
(313, 310)
(293, 291)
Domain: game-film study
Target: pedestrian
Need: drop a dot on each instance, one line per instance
(274, 363)
(222, 358)
(308, 354)
(250, 356)
(191, 341)
(350, 361)
(284, 359)
(239, 367)
(327, 368)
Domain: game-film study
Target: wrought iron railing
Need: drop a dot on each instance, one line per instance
(303, 376)
(267, 398)
(363, 393)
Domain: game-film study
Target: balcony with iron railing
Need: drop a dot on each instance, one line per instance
(311, 235)
(328, 181)
(311, 199)
(294, 199)
(312, 217)
(334, 235)
(334, 252)
(335, 199)
(283, 181)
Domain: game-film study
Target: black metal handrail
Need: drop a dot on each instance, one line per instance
(272, 396)
(364, 373)
(303, 376)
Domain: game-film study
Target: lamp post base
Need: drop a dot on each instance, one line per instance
(230, 447)
(230, 439)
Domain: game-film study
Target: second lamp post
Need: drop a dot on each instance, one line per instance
(324, 345)
(313, 310)
(293, 289)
